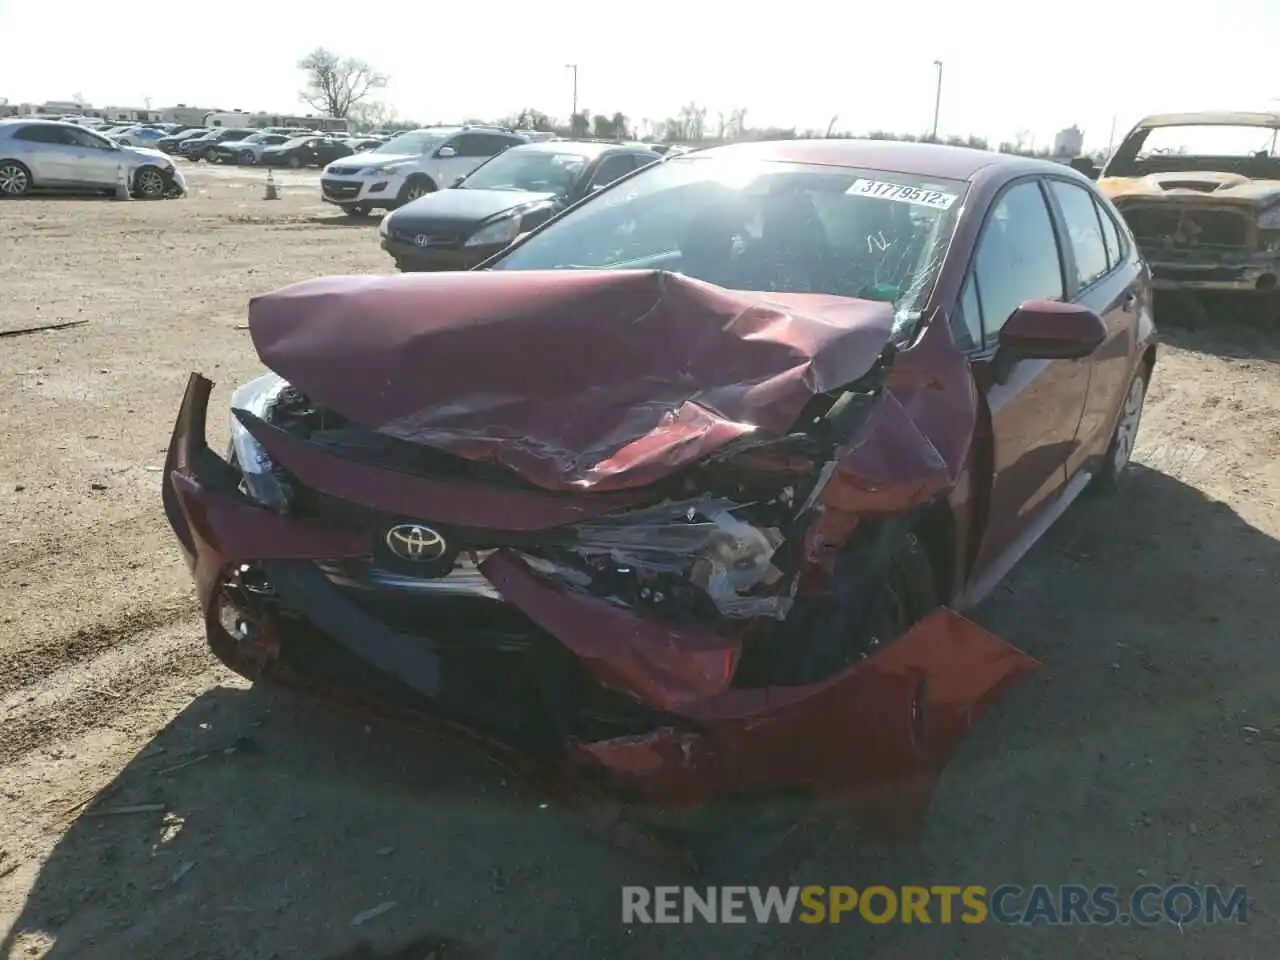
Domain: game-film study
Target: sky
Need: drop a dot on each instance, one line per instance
(1007, 66)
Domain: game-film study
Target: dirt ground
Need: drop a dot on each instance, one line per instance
(1146, 749)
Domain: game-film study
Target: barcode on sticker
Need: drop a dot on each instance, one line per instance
(902, 193)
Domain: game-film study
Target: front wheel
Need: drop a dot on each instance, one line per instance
(15, 179)
(148, 184)
(247, 158)
(294, 163)
(211, 155)
(1120, 451)
(416, 188)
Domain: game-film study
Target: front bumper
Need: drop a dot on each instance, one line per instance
(175, 183)
(675, 731)
(378, 191)
(437, 256)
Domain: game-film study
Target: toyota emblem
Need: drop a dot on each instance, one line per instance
(421, 240)
(415, 543)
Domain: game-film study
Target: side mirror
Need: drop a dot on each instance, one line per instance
(446, 152)
(1049, 330)
(1086, 166)
(458, 180)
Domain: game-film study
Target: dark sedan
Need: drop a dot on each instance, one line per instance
(687, 490)
(171, 143)
(305, 152)
(508, 195)
(247, 151)
(206, 147)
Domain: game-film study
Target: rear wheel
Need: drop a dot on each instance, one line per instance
(1120, 451)
(247, 157)
(15, 179)
(294, 162)
(211, 155)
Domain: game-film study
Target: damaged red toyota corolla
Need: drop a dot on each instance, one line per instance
(681, 491)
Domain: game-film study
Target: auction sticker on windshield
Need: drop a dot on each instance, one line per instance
(902, 193)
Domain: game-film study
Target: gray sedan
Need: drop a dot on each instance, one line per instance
(48, 154)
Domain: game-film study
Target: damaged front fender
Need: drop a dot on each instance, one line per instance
(890, 720)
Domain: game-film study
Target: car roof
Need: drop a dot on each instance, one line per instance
(900, 156)
(585, 148)
(1213, 118)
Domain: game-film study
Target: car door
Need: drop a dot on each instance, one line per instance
(1035, 405)
(96, 158)
(40, 148)
(1112, 284)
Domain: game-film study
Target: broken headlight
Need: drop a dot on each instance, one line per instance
(259, 481)
(677, 550)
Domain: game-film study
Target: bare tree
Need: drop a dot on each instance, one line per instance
(335, 85)
(372, 115)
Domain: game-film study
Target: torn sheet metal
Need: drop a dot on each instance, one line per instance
(894, 719)
(574, 379)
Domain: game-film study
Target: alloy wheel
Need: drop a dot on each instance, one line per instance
(150, 184)
(14, 181)
(1127, 428)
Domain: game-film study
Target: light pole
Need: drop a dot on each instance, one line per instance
(574, 68)
(937, 101)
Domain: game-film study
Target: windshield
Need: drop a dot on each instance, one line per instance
(776, 227)
(540, 171)
(416, 141)
(1243, 148)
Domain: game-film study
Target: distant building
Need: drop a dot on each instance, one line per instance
(1068, 142)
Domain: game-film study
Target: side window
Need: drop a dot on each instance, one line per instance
(611, 168)
(478, 144)
(509, 142)
(643, 159)
(1017, 258)
(83, 138)
(1080, 214)
(1110, 236)
(35, 134)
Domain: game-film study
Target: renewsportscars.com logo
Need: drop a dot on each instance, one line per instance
(1008, 904)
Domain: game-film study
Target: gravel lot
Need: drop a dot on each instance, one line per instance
(1146, 750)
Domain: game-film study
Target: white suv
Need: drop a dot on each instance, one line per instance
(411, 165)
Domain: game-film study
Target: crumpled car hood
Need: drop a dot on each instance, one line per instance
(573, 379)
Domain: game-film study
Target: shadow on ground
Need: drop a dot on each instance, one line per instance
(1145, 750)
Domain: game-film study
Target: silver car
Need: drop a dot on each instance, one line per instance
(48, 154)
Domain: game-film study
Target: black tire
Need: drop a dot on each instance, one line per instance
(1120, 451)
(864, 612)
(294, 163)
(415, 187)
(211, 155)
(15, 179)
(148, 184)
(247, 158)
